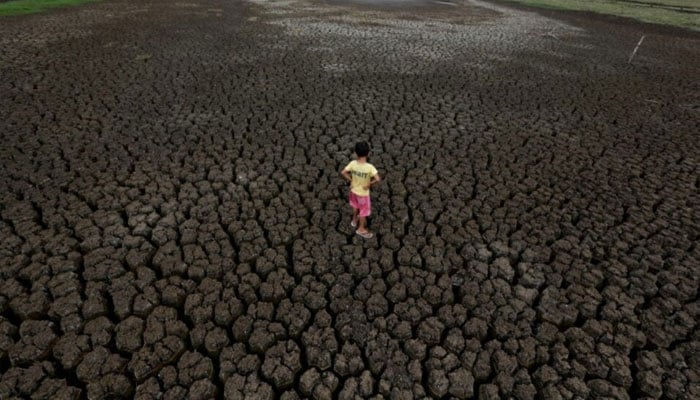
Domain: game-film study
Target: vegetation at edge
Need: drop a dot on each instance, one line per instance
(19, 7)
(681, 13)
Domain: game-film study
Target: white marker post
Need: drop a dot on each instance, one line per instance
(635, 49)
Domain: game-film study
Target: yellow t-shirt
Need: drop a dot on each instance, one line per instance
(361, 174)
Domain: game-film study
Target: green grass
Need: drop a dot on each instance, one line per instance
(19, 7)
(681, 13)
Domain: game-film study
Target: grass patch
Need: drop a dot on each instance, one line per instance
(681, 13)
(19, 7)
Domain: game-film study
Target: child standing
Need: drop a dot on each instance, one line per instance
(361, 175)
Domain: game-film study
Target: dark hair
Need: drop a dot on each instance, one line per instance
(361, 149)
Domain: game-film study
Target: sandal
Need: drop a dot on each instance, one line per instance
(366, 235)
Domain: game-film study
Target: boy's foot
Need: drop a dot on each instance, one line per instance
(366, 234)
(353, 223)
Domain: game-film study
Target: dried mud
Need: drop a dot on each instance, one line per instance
(173, 224)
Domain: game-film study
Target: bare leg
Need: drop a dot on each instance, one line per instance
(355, 212)
(363, 225)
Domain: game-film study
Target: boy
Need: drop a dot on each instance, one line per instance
(361, 175)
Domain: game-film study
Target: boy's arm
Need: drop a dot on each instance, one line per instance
(346, 175)
(375, 179)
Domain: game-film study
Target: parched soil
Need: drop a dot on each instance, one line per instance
(173, 224)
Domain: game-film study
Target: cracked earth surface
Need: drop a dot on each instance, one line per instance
(173, 224)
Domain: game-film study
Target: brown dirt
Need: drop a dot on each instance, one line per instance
(173, 225)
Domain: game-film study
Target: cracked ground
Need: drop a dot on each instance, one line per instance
(173, 224)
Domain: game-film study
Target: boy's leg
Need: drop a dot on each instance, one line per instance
(364, 213)
(352, 200)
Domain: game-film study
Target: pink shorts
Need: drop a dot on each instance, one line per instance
(361, 203)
